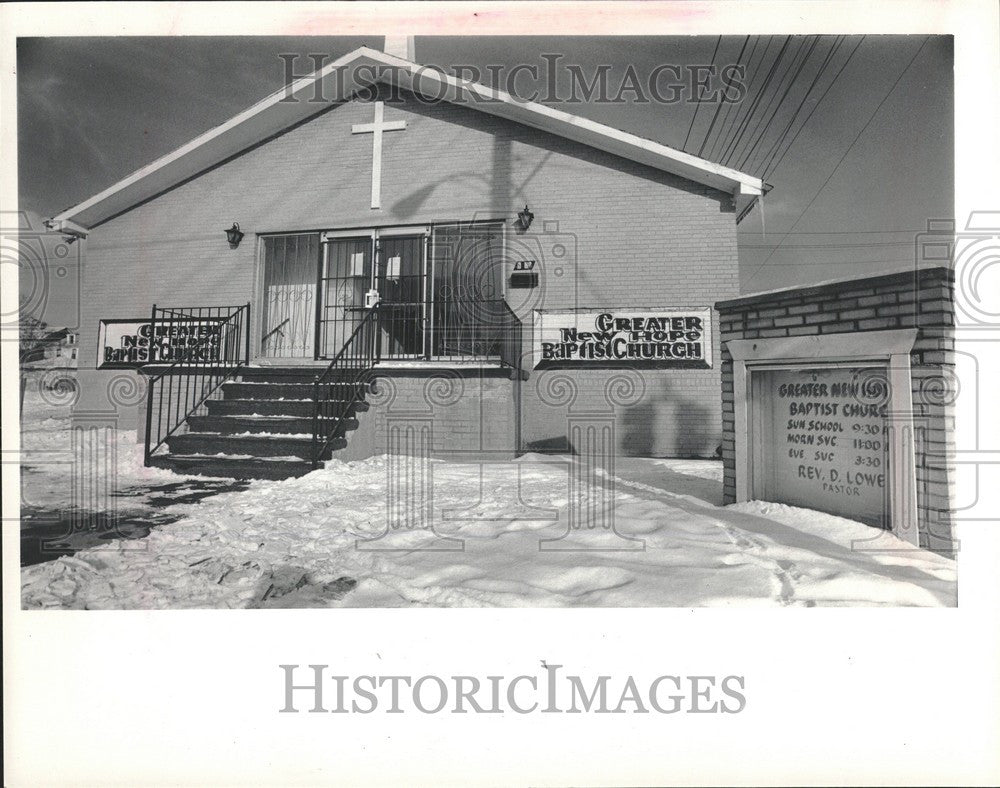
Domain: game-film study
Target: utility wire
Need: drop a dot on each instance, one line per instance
(758, 138)
(737, 118)
(785, 264)
(805, 122)
(773, 150)
(844, 156)
(722, 133)
(866, 245)
(697, 106)
(743, 150)
(837, 232)
(738, 139)
(718, 108)
(744, 122)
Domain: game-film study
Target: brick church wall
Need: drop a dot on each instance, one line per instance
(468, 414)
(608, 233)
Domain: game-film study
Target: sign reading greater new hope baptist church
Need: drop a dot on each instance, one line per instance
(823, 440)
(663, 337)
(131, 343)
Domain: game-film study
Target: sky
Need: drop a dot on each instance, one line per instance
(854, 134)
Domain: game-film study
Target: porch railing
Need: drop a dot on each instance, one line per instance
(511, 340)
(339, 386)
(477, 330)
(202, 348)
(459, 330)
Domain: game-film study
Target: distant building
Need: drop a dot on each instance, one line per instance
(59, 344)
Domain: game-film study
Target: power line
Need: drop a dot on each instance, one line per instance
(773, 150)
(816, 106)
(844, 156)
(866, 245)
(837, 232)
(721, 134)
(738, 138)
(764, 109)
(697, 106)
(753, 148)
(740, 119)
(757, 137)
(788, 263)
(820, 72)
(718, 108)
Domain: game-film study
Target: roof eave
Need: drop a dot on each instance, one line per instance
(291, 104)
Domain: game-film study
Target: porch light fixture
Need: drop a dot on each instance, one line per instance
(234, 235)
(525, 218)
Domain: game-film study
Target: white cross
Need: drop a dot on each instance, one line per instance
(376, 128)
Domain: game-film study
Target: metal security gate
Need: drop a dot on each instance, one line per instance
(468, 311)
(345, 279)
(440, 291)
(402, 288)
(288, 303)
(390, 264)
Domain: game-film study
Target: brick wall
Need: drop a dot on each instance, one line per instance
(468, 414)
(914, 299)
(607, 233)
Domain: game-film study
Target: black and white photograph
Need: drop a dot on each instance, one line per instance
(683, 316)
(458, 347)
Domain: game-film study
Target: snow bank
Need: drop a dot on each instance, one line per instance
(501, 538)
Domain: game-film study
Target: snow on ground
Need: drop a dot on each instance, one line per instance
(501, 537)
(49, 475)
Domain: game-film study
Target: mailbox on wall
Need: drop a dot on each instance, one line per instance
(524, 275)
(523, 280)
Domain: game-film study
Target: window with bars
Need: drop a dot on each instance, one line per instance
(288, 295)
(467, 305)
(440, 290)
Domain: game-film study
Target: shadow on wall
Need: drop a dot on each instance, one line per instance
(662, 425)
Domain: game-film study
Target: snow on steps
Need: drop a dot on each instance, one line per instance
(260, 428)
(233, 467)
(266, 424)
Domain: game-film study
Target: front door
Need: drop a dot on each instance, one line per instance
(289, 296)
(401, 285)
(346, 277)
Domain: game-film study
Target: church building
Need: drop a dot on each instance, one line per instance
(382, 258)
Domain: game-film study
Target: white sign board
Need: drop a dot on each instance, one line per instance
(678, 337)
(820, 443)
(128, 344)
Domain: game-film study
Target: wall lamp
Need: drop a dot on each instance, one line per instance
(525, 218)
(234, 235)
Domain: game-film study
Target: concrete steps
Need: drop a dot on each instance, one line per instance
(236, 424)
(232, 467)
(259, 428)
(260, 407)
(286, 391)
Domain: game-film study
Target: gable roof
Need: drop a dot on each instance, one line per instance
(341, 79)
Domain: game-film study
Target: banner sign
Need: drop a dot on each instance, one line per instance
(660, 338)
(131, 343)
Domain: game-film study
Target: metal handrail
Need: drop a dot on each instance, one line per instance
(354, 359)
(187, 391)
(357, 357)
(512, 341)
(275, 330)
